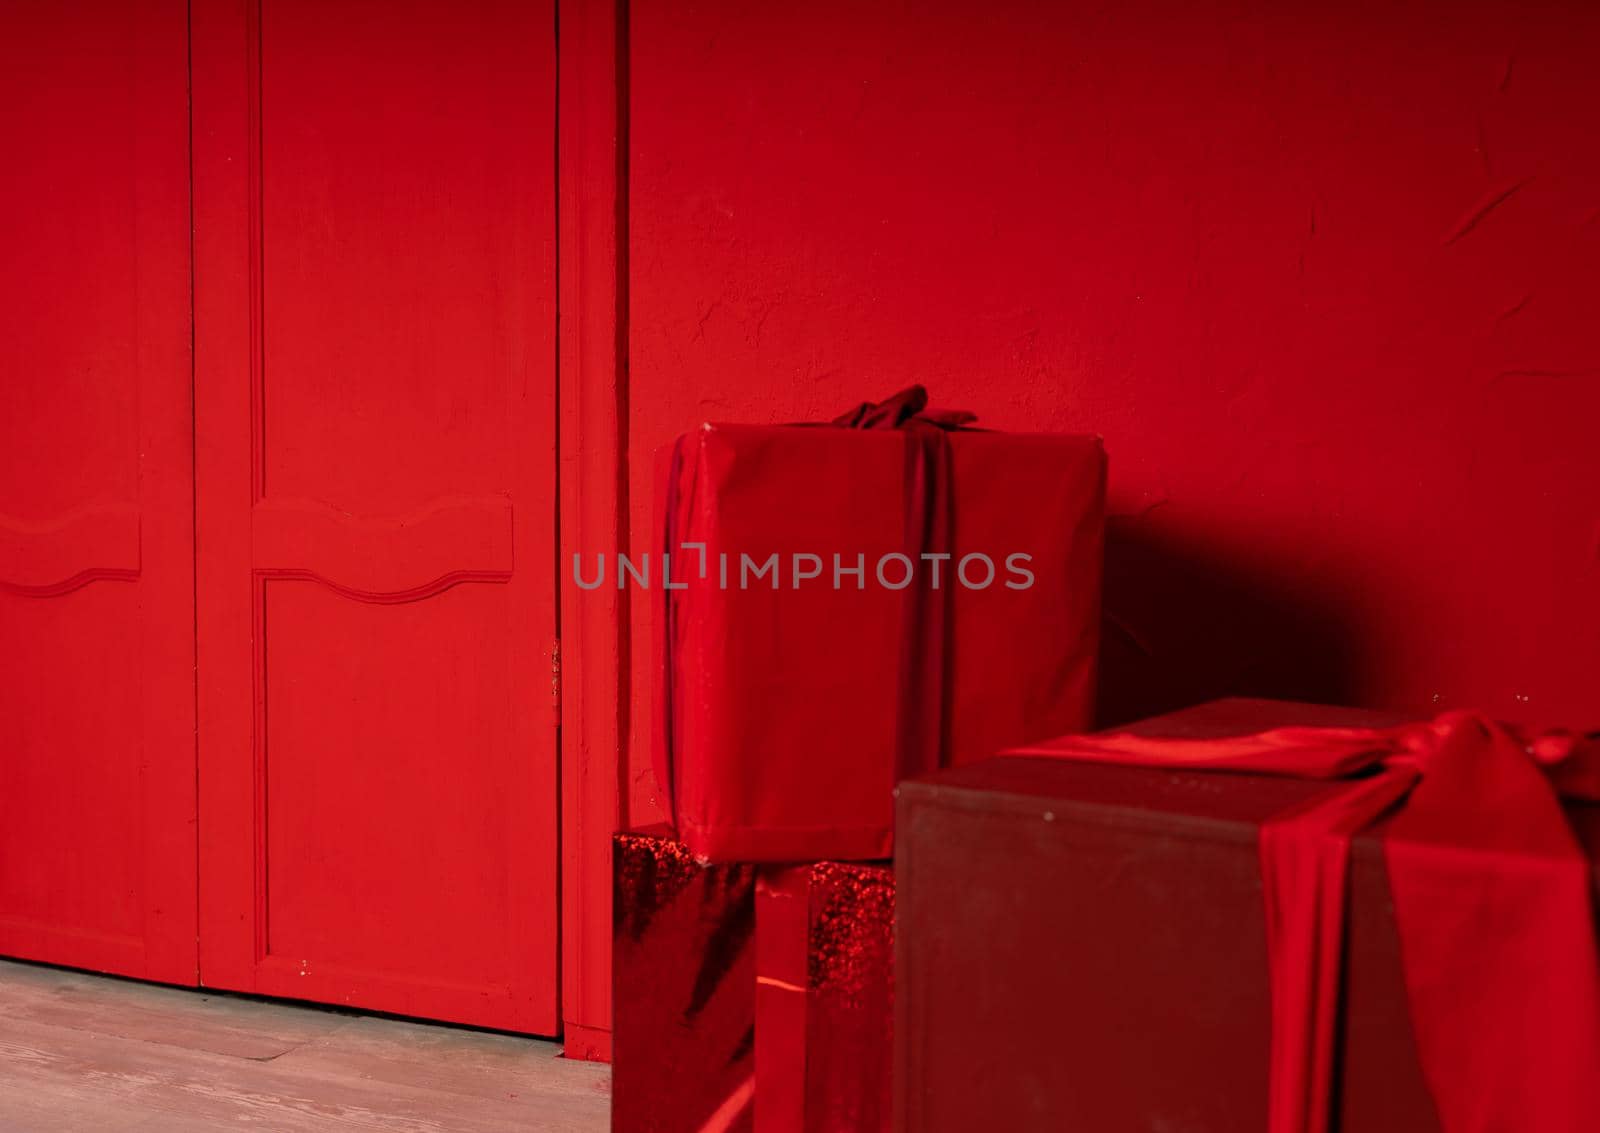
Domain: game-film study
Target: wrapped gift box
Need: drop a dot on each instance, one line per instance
(789, 713)
(683, 978)
(1084, 946)
(824, 998)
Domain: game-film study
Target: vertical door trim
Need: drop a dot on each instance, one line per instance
(592, 485)
(225, 113)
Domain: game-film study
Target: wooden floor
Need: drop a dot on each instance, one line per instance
(81, 1052)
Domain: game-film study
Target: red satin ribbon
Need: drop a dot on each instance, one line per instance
(908, 407)
(1493, 903)
(922, 732)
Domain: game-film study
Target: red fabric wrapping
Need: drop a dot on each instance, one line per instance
(1493, 902)
(921, 735)
(787, 716)
(922, 740)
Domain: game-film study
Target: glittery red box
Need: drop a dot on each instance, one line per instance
(683, 980)
(824, 998)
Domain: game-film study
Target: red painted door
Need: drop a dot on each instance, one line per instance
(375, 418)
(97, 751)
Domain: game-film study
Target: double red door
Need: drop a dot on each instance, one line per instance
(277, 482)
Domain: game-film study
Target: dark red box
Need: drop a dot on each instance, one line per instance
(1083, 946)
(824, 998)
(683, 980)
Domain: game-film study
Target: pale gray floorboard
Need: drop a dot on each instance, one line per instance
(197, 1020)
(82, 1052)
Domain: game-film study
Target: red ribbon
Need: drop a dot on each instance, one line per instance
(908, 408)
(1493, 903)
(922, 733)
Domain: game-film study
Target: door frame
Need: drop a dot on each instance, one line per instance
(592, 488)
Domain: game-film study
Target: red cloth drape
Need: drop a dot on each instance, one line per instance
(1493, 904)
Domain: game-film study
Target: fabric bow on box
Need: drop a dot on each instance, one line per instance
(1494, 903)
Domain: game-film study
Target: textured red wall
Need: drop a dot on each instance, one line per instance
(1325, 278)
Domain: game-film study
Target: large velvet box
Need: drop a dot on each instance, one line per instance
(1084, 946)
(790, 698)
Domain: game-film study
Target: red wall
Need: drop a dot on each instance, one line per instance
(1326, 280)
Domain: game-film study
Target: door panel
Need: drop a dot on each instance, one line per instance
(375, 427)
(97, 750)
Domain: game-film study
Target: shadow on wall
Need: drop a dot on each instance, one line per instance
(1184, 622)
